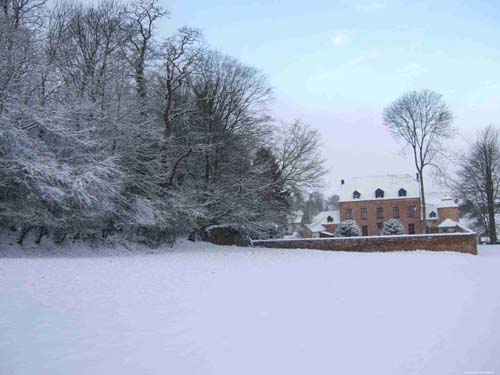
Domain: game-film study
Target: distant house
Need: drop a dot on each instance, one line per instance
(442, 216)
(322, 225)
(370, 201)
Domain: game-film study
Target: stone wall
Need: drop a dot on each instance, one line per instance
(459, 242)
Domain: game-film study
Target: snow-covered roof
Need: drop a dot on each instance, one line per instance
(322, 217)
(295, 217)
(316, 228)
(390, 184)
(447, 203)
(448, 223)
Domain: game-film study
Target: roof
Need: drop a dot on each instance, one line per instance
(447, 203)
(316, 228)
(390, 184)
(295, 217)
(448, 223)
(322, 217)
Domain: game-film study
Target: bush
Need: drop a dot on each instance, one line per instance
(393, 227)
(227, 234)
(348, 228)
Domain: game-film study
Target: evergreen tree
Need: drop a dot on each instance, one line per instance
(348, 228)
(393, 227)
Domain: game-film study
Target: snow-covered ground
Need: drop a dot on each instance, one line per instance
(203, 309)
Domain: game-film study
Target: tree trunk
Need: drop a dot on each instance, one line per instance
(422, 198)
(492, 230)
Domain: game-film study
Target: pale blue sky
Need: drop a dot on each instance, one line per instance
(336, 64)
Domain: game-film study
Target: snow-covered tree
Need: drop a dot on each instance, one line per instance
(393, 227)
(104, 130)
(347, 228)
(478, 179)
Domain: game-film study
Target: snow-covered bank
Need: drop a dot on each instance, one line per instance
(203, 309)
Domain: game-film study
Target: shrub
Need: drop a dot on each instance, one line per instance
(393, 227)
(348, 228)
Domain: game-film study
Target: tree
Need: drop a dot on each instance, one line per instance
(348, 228)
(105, 131)
(422, 120)
(393, 227)
(143, 14)
(299, 156)
(479, 178)
(332, 202)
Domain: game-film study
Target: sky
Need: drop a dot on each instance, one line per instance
(336, 64)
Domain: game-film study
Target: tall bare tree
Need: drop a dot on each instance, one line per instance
(143, 15)
(299, 156)
(479, 177)
(422, 120)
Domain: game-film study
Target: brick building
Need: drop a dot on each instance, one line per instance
(322, 225)
(370, 201)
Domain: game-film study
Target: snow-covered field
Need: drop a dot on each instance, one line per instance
(203, 309)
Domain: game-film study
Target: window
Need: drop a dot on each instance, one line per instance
(411, 211)
(364, 214)
(402, 192)
(329, 219)
(380, 212)
(411, 228)
(356, 194)
(379, 193)
(445, 230)
(364, 230)
(380, 226)
(395, 212)
(348, 214)
(432, 215)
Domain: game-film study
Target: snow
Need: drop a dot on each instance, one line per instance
(205, 309)
(390, 184)
(448, 223)
(295, 217)
(447, 203)
(316, 228)
(322, 217)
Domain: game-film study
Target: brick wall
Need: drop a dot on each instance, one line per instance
(459, 242)
(387, 204)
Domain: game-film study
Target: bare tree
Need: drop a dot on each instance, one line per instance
(180, 53)
(422, 120)
(143, 14)
(479, 177)
(299, 156)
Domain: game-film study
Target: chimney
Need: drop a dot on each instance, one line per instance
(341, 182)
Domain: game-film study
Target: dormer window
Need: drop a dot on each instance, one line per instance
(356, 194)
(432, 215)
(402, 192)
(379, 193)
(329, 219)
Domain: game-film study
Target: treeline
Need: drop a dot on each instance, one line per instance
(105, 128)
(313, 204)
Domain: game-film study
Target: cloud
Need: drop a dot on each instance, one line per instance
(341, 37)
(370, 7)
(413, 69)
